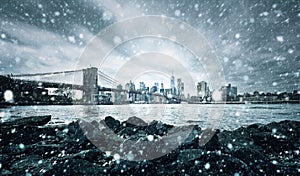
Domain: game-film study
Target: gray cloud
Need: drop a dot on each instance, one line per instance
(257, 43)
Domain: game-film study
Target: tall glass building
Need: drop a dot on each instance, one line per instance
(173, 85)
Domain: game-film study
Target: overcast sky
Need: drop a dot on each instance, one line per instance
(256, 42)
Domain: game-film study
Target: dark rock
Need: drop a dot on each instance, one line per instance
(145, 168)
(74, 129)
(28, 121)
(26, 162)
(173, 168)
(254, 126)
(20, 134)
(77, 167)
(272, 143)
(231, 141)
(6, 172)
(168, 158)
(95, 124)
(111, 123)
(191, 140)
(134, 122)
(217, 164)
(92, 155)
(47, 150)
(250, 156)
(158, 128)
(31, 164)
(15, 149)
(271, 149)
(190, 154)
(132, 133)
(5, 160)
(123, 167)
(288, 128)
(95, 155)
(209, 139)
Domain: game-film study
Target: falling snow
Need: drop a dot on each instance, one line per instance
(22, 146)
(279, 38)
(56, 13)
(3, 36)
(255, 43)
(262, 27)
(177, 13)
(72, 39)
(8, 96)
(150, 137)
(230, 146)
(117, 40)
(207, 166)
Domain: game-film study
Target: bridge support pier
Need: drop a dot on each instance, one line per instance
(90, 85)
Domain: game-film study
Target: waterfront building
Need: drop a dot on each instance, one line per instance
(168, 92)
(202, 90)
(182, 91)
(105, 98)
(229, 93)
(130, 87)
(119, 95)
(172, 82)
(162, 90)
(156, 85)
(179, 87)
(142, 86)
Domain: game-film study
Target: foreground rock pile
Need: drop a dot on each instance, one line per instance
(272, 149)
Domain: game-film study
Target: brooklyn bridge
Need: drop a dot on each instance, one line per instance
(24, 85)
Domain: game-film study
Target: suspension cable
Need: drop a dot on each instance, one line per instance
(43, 74)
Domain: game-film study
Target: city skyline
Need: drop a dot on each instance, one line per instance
(22, 91)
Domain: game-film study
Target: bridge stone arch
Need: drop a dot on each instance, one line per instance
(90, 85)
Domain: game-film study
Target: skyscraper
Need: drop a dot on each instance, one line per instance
(182, 90)
(229, 93)
(202, 89)
(142, 86)
(179, 86)
(119, 97)
(162, 90)
(130, 87)
(172, 85)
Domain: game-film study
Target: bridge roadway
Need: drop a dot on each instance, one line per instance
(48, 84)
(76, 87)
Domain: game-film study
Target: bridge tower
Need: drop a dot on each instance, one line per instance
(90, 85)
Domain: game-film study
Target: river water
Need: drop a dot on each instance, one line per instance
(220, 116)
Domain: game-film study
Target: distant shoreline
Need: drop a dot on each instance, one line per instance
(6, 105)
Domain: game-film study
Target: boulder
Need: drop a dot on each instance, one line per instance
(111, 123)
(134, 122)
(214, 163)
(27, 121)
(158, 128)
(151, 149)
(76, 167)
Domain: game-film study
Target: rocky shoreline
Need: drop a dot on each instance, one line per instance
(65, 149)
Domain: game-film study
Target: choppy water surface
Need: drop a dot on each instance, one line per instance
(216, 116)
